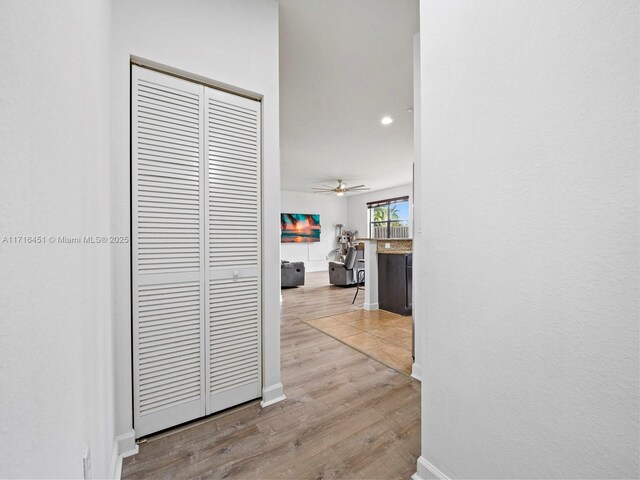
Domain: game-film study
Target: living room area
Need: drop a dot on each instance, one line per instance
(347, 155)
(323, 275)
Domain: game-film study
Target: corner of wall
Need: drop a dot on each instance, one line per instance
(123, 446)
(427, 471)
(416, 371)
(272, 394)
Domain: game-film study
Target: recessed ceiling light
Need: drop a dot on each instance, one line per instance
(386, 120)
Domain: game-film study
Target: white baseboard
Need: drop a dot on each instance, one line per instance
(371, 306)
(123, 446)
(272, 394)
(416, 372)
(427, 471)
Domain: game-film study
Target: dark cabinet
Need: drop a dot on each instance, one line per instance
(394, 282)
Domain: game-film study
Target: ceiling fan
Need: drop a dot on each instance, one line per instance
(341, 189)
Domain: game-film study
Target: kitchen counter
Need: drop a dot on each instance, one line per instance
(395, 282)
(373, 248)
(383, 239)
(397, 247)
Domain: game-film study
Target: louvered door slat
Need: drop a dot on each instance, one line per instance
(167, 251)
(232, 140)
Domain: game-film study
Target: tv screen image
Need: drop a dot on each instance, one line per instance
(299, 227)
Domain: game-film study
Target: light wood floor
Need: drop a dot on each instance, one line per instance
(318, 299)
(346, 415)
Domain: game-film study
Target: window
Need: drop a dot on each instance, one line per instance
(389, 218)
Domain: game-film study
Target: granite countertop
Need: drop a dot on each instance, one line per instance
(396, 247)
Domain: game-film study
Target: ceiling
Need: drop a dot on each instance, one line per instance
(345, 64)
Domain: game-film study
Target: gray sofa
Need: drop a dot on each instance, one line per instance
(291, 274)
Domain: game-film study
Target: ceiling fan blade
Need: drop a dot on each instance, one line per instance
(341, 189)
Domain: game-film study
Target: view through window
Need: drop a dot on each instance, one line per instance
(389, 218)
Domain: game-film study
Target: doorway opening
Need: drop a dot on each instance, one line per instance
(347, 154)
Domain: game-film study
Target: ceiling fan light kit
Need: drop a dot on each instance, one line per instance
(340, 190)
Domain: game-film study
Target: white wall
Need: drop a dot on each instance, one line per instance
(55, 299)
(227, 41)
(332, 210)
(358, 206)
(530, 217)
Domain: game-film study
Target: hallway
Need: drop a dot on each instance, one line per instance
(345, 416)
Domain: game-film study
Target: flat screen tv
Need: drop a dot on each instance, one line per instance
(299, 227)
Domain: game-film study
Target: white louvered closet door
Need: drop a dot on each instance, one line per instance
(196, 223)
(233, 218)
(168, 244)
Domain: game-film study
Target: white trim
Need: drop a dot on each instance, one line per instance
(123, 446)
(115, 471)
(416, 371)
(194, 78)
(371, 275)
(427, 471)
(116, 462)
(272, 394)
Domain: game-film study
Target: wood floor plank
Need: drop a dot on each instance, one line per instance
(346, 415)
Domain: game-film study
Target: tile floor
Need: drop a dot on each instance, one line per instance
(379, 334)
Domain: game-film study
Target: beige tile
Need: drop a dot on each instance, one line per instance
(340, 331)
(382, 335)
(349, 316)
(389, 333)
(406, 327)
(389, 315)
(405, 343)
(324, 322)
(363, 314)
(399, 322)
(363, 341)
(367, 324)
(396, 357)
(394, 349)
